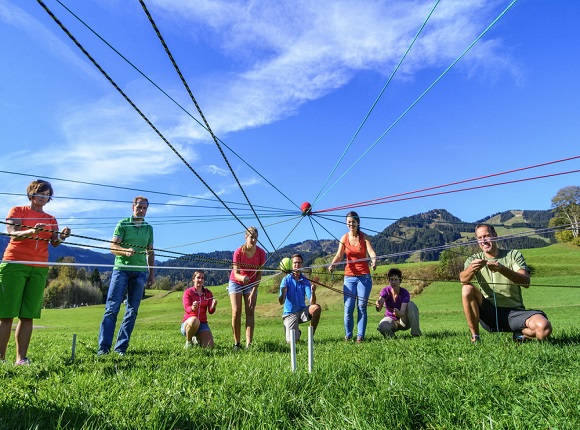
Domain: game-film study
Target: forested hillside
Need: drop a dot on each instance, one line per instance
(415, 238)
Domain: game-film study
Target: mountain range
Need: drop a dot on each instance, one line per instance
(413, 238)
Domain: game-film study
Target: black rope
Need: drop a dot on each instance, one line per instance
(112, 82)
(207, 126)
(169, 97)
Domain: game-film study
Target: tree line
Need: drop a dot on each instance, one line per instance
(68, 285)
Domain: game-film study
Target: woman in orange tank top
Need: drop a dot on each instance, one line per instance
(357, 275)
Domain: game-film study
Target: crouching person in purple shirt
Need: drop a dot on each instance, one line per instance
(400, 312)
(294, 289)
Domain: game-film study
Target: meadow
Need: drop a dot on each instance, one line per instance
(436, 381)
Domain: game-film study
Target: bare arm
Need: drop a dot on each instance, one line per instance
(475, 266)
(312, 294)
(521, 277)
(379, 304)
(18, 231)
(57, 238)
(371, 252)
(282, 296)
(337, 257)
(242, 279)
(151, 264)
(400, 313)
(117, 249)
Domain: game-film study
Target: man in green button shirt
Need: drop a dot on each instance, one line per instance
(132, 245)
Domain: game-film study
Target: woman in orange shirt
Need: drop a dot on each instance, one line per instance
(357, 275)
(22, 284)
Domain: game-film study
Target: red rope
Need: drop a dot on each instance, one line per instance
(391, 199)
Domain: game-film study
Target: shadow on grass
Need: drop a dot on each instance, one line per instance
(17, 416)
(565, 339)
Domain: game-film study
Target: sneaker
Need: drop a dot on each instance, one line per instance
(194, 340)
(518, 337)
(347, 339)
(360, 339)
(23, 362)
(249, 346)
(188, 344)
(101, 352)
(475, 339)
(237, 347)
(120, 353)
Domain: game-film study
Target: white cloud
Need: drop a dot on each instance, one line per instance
(288, 53)
(215, 170)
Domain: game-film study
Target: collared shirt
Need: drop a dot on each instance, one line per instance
(296, 292)
(138, 238)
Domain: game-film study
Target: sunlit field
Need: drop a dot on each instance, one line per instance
(437, 381)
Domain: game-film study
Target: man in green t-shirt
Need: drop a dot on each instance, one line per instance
(497, 304)
(132, 245)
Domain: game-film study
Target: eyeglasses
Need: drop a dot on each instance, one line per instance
(43, 194)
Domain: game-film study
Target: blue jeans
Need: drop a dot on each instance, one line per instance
(122, 281)
(356, 289)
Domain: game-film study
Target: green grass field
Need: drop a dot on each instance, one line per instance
(437, 381)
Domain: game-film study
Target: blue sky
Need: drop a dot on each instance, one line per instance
(286, 85)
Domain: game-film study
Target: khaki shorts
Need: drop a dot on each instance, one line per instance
(292, 321)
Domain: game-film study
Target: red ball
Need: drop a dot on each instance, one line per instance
(306, 208)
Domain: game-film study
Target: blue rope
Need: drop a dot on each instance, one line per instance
(422, 95)
(376, 101)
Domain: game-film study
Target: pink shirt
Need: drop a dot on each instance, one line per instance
(205, 298)
(248, 266)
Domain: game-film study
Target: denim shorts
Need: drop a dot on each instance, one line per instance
(235, 288)
(202, 327)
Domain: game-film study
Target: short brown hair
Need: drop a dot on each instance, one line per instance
(138, 199)
(489, 227)
(395, 272)
(299, 256)
(39, 186)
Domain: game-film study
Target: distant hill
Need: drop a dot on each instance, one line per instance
(402, 240)
(438, 227)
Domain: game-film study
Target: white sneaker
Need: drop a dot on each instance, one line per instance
(194, 340)
(188, 344)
